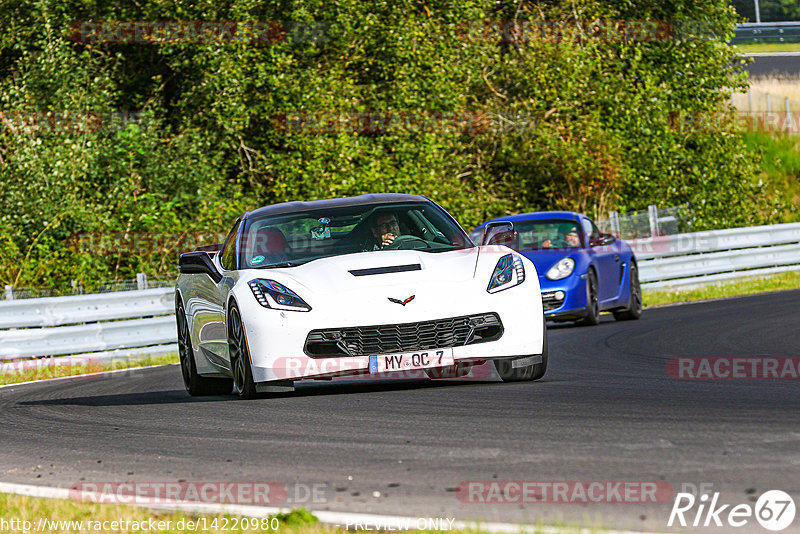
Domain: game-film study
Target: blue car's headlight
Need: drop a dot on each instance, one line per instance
(271, 294)
(509, 272)
(562, 269)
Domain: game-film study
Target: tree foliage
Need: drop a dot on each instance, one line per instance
(179, 137)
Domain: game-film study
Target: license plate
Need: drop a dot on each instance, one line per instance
(382, 363)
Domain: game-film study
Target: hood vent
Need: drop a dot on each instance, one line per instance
(387, 270)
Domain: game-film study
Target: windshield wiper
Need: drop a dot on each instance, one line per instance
(282, 264)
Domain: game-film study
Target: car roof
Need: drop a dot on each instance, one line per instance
(295, 206)
(538, 216)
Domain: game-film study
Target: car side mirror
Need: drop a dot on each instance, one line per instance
(199, 262)
(209, 248)
(499, 233)
(602, 240)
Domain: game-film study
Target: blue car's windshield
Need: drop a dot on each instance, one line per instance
(548, 234)
(292, 239)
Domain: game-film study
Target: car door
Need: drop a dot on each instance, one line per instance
(607, 260)
(212, 330)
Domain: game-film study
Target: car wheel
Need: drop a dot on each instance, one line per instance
(243, 384)
(634, 310)
(534, 371)
(195, 384)
(592, 316)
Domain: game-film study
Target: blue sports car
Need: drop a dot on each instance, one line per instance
(582, 271)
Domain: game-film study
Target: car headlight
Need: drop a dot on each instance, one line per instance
(271, 294)
(509, 272)
(562, 269)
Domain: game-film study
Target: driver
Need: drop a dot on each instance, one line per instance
(385, 229)
(570, 240)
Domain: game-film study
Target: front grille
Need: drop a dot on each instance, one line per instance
(405, 337)
(550, 302)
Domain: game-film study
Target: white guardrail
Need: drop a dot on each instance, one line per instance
(104, 326)
(132, 323)
(684, 260)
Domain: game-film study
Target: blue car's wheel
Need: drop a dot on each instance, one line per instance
(592, 316)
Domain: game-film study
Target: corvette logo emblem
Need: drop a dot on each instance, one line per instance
(402, 302)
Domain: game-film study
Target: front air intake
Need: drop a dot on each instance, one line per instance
(405, 337)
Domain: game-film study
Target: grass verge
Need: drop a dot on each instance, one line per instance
(40, 369)
(62, 516)
(761, 48)
(780, 168)
(748, 286)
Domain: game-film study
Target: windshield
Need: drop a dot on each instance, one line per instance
(548, 234)
(295, 238)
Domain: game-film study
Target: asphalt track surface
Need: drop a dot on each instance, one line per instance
(781, 66)
(606, 410)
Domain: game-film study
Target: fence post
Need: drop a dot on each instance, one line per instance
(769, 107)
(788, 117)
(9, 292)
(613, 219)
(652, 212)
(141, 281)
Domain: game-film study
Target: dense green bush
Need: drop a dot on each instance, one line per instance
(577, 122)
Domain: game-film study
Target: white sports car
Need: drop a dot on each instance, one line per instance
(372, 285)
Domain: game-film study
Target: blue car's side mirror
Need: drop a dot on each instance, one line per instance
(499, 233)
(602, 240)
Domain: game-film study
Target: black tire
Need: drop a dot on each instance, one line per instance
(534, 371)
(195, 384)
(592, 316)
(634, 310)
(243, 384)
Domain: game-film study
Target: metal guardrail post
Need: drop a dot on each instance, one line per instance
(141, 281)
(9, 292)
(652, 211)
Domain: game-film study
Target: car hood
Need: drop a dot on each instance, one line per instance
(544, 259)
(375, 270)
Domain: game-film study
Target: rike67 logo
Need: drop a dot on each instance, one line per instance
(774, 510)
